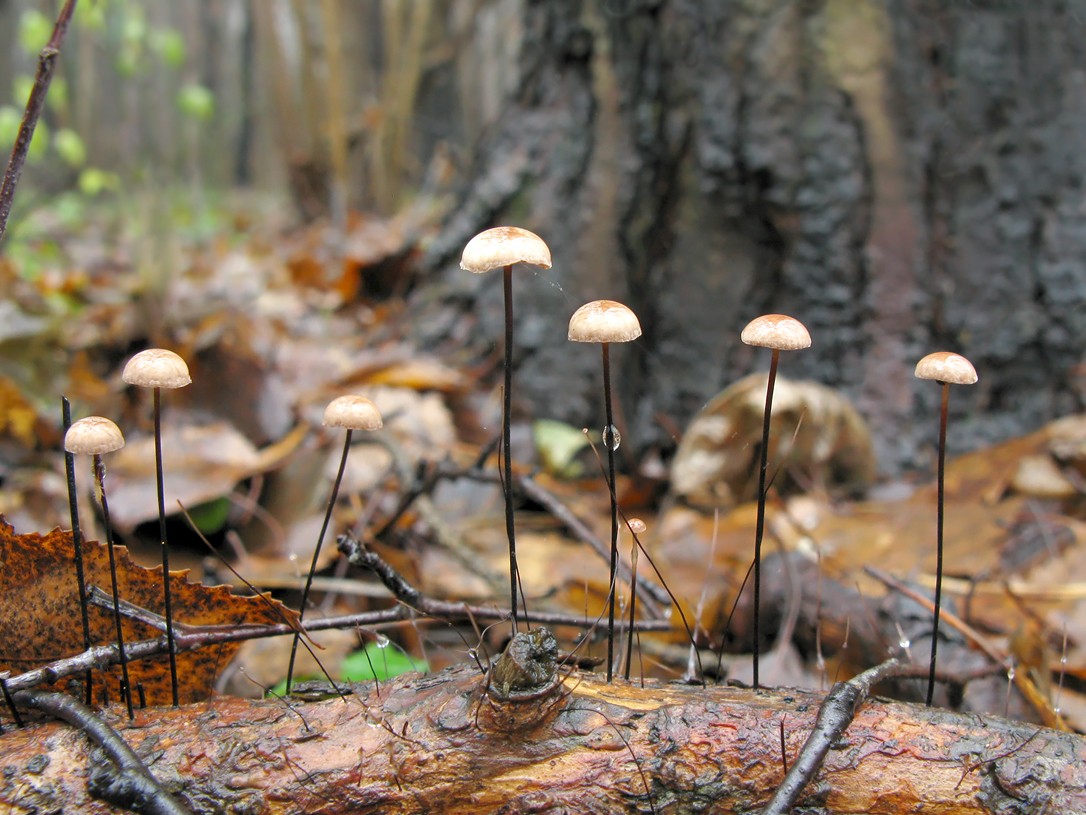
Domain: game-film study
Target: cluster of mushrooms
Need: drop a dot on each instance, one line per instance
(600, 321)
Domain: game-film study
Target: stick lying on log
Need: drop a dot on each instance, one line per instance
(458, 742)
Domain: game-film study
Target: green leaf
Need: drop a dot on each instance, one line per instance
(20, 89)
(210, 516)
(93, 181)
(558, 445)
(380, 660)
(35, 29)
(170, 46)
(9, 127)
(70, 147)
(196, 101)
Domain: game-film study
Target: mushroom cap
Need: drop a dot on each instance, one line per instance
(777, 331)
(944, 366)
(93, 436)
(157, 368)
(504, 246)
(352, 412)
(604, 321)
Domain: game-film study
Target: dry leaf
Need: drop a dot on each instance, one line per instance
(39, 618)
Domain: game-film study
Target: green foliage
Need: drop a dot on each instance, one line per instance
(558, 445)
(169, 46)
(380, 660)
(196, 101)
(35, 29)
(70, 147)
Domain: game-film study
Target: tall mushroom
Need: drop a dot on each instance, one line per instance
(945, 368)
(351, 413)
(157, 368)
(77, 546)
(605, 322)
(778, 332)
(96, 436)
(503, 247)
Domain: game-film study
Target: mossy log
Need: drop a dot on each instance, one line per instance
(448, 744)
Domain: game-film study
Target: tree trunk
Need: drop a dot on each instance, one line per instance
(435, 745)
(902, 175)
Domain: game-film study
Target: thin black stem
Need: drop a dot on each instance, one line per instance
(633, 608)
(759, 531)
(609, 443)
(317, 553)
(507, 457)
(939, 538)
(100, 478)
(166, 598)
(77, 538)
(134, 780)
(47, 62)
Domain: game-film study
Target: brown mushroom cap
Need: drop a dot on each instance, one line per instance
(504, 246)
(157, 368)
(353, 412)
(93, 436)
(944, 366)
(604, 321)
(777, 331)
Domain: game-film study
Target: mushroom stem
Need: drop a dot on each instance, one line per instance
(77, 538)
(167, 600)
(759, 531)
(941, 481)
(609, 443)
(507, 458)
(633, 609)
(100, 483)
(317, 553)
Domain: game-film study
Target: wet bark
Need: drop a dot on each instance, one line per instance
(436, 744)
(903, 175)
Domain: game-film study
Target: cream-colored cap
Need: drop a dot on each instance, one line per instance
(93, 436)
(353, 412)
(944, 366)
(504, 246)
(777, 331)
(604, 321)
(157, 368)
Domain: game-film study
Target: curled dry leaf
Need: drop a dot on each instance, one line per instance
(818, 439)
(40, 612)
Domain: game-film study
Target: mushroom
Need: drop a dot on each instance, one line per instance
(158, 368)
(503, 247)
(95, 436)
(945, 368)
(351, 413)
(605, 322)
(778, 332)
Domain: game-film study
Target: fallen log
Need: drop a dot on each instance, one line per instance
(457, 742)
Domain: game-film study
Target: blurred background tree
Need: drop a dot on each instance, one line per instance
(904, 175)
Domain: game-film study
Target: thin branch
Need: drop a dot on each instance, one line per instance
(47, 60)
(132, 785)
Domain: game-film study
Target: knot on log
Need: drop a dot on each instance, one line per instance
(516, 689)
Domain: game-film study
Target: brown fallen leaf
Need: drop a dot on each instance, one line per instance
(40, 615)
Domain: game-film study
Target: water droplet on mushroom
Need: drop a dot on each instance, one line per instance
(611, 437)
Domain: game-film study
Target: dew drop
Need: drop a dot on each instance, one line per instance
(382, 641)
(1010, 674)
(904, 643)
(611, 437)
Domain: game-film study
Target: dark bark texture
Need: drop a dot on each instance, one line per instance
(902, 175)
(436, 744)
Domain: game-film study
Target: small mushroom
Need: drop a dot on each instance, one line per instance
(778, 332)
(159, 368)
(605, 322)
(946, 368)
(352, 413)
(95, 436)
(503, 247)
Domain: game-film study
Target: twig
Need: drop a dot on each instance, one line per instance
(836, 714)
(132, 786)
(47, 60)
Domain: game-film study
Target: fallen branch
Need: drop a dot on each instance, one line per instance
(445, 744)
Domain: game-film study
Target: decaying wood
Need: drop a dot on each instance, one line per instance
(446, 743)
